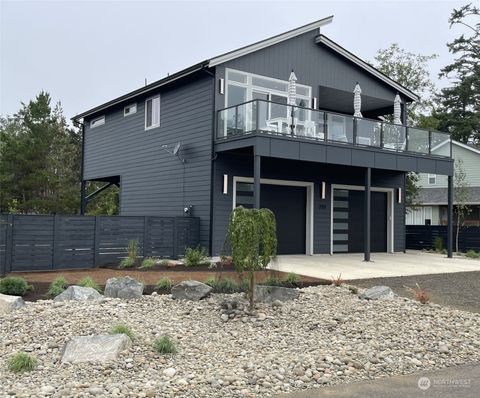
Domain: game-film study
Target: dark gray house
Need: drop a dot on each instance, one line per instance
(238, 130)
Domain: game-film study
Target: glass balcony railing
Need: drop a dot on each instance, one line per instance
(260, 116)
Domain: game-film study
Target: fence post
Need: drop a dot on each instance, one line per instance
(96, 245)
(146, 231)
(55, 242)
(9, 243)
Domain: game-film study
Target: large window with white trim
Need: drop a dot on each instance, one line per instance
(152, 112)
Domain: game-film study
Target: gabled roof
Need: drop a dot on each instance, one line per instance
(459, 144)
(322, 39)
(247, 50)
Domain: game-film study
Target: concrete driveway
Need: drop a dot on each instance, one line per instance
(352, 266)
(455, 382)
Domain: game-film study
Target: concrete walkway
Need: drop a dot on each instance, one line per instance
(455, 382)
(352, 266)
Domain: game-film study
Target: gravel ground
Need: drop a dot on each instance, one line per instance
(327, 336)
(460, 290)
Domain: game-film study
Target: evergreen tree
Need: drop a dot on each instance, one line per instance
(459, 110)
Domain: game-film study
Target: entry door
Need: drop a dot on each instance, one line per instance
(289, 206)
(378, 221)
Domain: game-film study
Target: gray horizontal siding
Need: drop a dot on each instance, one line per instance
(314, 65)
(154, 182)
(235, 165)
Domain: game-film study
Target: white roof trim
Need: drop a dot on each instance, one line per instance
(347, 54)
(460, 144)
(269, 42)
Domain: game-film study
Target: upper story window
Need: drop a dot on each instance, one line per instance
(130, 109)
(152, 112)
(244, 87)
(97, 121)
(432, 179)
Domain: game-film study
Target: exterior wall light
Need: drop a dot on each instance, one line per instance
(324, 190)
(399, 199)
(221, 85)
(225, 184)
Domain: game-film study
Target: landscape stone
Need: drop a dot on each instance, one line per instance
(78, 293)
(378, 293)
(100, 348)
(190, 290)
(10, 303)
(269, 294)
(124, 288)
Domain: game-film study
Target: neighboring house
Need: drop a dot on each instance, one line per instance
(433, 193)
(220, 134)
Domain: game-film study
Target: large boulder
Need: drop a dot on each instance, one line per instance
(269, 294)
(99, 348)
(10, 303)
(125, 288)
(378, 293)
(78, 293)
(190, 290)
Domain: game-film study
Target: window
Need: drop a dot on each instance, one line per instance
(97, 121)
(130, 109)
(152, 112)
(432, 179)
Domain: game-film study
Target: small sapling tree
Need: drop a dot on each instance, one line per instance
(253, 238)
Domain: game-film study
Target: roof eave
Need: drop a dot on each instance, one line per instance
(150, 87)
(270, 41)
(322, 39)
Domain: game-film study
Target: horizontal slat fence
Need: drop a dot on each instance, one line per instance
(419, 237)
(50, 242)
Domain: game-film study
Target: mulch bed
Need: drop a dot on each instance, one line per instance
(42, 280)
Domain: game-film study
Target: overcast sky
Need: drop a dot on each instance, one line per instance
(85, 53)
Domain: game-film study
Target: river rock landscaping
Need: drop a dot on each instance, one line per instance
(328, 335)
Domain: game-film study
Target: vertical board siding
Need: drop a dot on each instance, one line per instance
(238, 165)
(153, 181)
(39, 243)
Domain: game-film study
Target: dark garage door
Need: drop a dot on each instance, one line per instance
(289, 206)
(378, 220)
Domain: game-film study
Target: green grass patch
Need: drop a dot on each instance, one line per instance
(272, 280)
(195, 256)
(127, 262)
(292, 279)
(472, 254)
(14, 286)
(165, 345)
(89, 282)
(58, 285)
(148, 262)
(164, 285)
(122, 329)
(22, 362)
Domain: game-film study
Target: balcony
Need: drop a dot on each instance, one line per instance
(281, 120)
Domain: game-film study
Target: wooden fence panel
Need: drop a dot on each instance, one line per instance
(32, 243)
(47, 242)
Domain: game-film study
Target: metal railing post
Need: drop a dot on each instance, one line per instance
(429, 142)
(257, 103)
(382, 139)
(406, 138)
(325, 125)
(236, 119)
(354, 135)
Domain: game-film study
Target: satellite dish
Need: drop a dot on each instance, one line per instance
(176, 148)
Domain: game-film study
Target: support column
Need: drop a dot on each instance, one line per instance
(83, 200)
(256, 180)
(368, 183)
(450, 218)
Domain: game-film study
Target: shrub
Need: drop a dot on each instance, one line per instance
(272, 280)
(126, 262)
(133, 249)
(14, 286)
(195, 256)
(438, 243)
(165, 284)
(421, 295)
(122, 329)
(472, 254)
(58, 285)
(292, 279)
(165, 345)
(148, 262)
(89, 282)
(337, 281)
(211, 281)
(22, 362)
